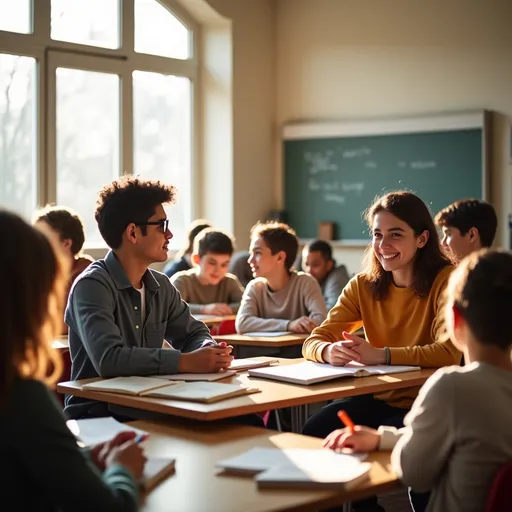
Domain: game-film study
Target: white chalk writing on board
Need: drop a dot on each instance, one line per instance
(357, 187)
(423, 164)
(334, 198)
(370, 165)
(355, 152)
(313, 185)
(320, 161)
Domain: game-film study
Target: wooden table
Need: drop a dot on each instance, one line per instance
(213, 320)
(198, 486)
(274, 395)
(287, 340)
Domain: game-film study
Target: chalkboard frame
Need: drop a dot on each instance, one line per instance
(474, 119)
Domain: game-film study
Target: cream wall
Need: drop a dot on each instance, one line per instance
(368, 58)
(250, 194)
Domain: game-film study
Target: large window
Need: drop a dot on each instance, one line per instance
(91, 90)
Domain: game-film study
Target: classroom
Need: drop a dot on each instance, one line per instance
(266, 123)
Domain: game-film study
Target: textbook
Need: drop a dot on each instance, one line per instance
(129, 385)
(267, 334)
(317, 468)
(309, 372)
(156, 470)
(204, 392)
(193, 377)
(251, 362)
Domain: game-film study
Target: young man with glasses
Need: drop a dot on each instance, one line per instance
(120, 311)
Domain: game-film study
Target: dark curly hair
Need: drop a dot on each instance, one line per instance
(126, 200)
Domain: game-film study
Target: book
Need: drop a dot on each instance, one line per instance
(204, 392)
(251, 362)
(193, 377)
(329, 476)
(315, 468)
(98, 430)
(309, 372)
(129, 385)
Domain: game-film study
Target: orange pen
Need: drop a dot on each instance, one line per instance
(345, 419)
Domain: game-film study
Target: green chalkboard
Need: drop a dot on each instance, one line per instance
(335, 179)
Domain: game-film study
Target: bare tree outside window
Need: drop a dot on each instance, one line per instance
(17, 134)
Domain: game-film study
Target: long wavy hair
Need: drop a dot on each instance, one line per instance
(428, 260)
(34, 276)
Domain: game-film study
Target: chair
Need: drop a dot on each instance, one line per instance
(500, 496)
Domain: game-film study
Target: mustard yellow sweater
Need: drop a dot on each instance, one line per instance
(411, 327)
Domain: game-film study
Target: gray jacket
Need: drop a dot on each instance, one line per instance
(107, 337)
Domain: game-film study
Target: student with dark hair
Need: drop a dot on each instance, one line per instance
(43, 467)
(468, 225)
(120, 311)
(317, 260)
(398, 299)
(279, 299)
(459, 431)
(68, 226)
(208, 288)
(183, 259)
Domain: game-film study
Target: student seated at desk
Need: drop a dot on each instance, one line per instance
(183, 259)
(42, 466)
(459, 431)
(68, 226)
(207, 288)
(279, 299)
(120, 311)
(467, 225)
(317, 260)
(399, 300)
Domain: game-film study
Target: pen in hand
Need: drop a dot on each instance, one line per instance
(345, 419)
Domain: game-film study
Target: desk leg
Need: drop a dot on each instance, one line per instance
(299, 417)
(347, 507)
(278, 420)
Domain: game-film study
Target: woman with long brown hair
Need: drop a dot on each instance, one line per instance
(398, 299)
(43, 468)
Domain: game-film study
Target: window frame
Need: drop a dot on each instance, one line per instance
(50, 54)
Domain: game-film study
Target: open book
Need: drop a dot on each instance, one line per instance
(267, 334)
(251, 362)
(205, 392)
(99, 430)
(309, 372)
(319, 468)
(193, 377)
(129, 385)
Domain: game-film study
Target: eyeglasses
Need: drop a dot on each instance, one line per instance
(162, 224)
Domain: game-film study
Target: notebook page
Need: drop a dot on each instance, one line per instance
(265, 334)
(251, 362)
(192, 377)
(196, 391)
(129, 385)
(98, 430)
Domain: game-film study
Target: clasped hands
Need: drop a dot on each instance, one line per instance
(353, 348)
(209, 359)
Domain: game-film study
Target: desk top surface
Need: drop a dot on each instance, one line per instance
(198, 486)
(273, 395)
(286, 340)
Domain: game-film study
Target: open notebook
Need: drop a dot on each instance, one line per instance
(206, 392)
(319, 468)
(193, 377)
(99, 430)
(309, 372)
(251, 362)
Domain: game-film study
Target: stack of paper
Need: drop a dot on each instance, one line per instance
(251, 362)
(299, 468)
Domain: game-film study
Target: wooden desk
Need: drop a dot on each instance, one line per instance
(198, 486)
(274, 395)
(213, 320)
(288, 340)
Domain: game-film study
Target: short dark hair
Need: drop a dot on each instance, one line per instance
(470, 213)
(193, 230)
(278, 237)
(481, 289)
(428, 261)
(216, 242)
(126, 200)
(322, 247)
(65, 222)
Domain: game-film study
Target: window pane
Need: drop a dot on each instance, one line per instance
(158, 32)
(162, 139)
(17, 134)
(87, 141)
(15, 16)
(92, 22)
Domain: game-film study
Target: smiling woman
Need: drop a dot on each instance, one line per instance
(398, 299)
